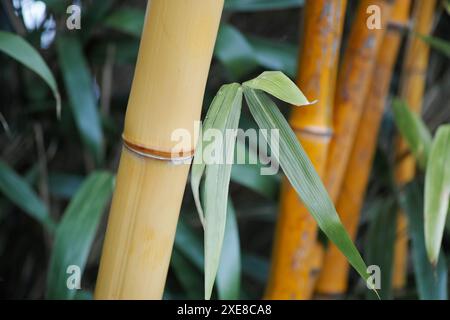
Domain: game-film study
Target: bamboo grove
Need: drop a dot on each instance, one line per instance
(348, 100)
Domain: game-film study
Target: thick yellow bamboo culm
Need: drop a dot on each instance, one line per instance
(352, 85)
(334, 274)
(412, 87)
(167, 92)
(296, 255)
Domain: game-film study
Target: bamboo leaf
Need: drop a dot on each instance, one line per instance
(437, 44)
(217, 180)
(302, 175)
(219, 102)
(76, 232)
(234, 51)
(64, 185)
(437, 192)
(278, 85)
(190, 247)
(127, 20)
(229, 273)
(19, 192)
(380, 243)
(431, 281)
(20, 50)
(275, 55)
(78, 83)
(259, 5)
(413, 130)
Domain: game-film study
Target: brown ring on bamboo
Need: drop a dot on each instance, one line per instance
(176, 158)
(314, 131)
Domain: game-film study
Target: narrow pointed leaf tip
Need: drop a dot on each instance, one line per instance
(280, 86)
(437, 192)
(20, 50)
(302, 176)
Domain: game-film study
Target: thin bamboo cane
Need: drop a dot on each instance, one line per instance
(334, 276)
(295, 253)
(352, 86)
(167, 92)
(411, 90)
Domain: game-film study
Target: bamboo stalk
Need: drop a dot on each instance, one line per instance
(411, 90)
(333, 279)
(353, 84)
(296, 255)
(167, 92)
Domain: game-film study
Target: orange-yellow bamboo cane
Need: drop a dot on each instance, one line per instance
(334, 275)
(411, 90)
(167, 92)
(295, 253)
(353, 84)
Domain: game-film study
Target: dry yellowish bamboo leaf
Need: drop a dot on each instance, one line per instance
(334, 276)
(412, 88)
(167, 92)
(296, 256)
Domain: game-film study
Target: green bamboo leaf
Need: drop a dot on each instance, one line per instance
(76, 232)
(189, 245)
(127, 20)
(274, 55)
(302, 175)
(216, 183)
(437, 192)
(437, 44)
(78, 83)
(380, 243)
(259, 5)
(64, 185)
(413, 130)
(19, 192)
(20, 50)
(234, 51)
(431, 281)
(278, 85)
(229, 273)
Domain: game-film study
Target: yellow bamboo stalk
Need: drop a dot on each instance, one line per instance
(411, 90)
(296, 256)
(167, 92)
(352, 86)
(333, 279)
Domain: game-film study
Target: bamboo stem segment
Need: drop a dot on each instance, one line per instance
(353, 84)
(296, 256)
(411, 90)
(167, 92)
(333, 279)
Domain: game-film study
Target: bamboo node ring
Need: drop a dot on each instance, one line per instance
(179, 157)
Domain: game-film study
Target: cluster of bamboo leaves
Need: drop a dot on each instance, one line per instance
(73, 234)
